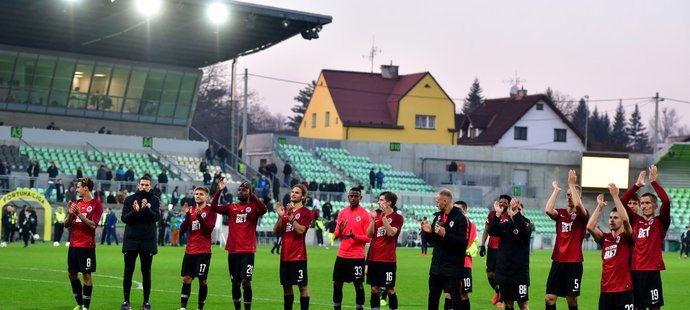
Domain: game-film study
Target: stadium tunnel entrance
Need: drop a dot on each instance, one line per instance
(26, 194)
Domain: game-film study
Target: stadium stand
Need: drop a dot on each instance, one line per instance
(306, 166)
(357, 168)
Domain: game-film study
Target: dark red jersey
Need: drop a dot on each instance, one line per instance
(570, 231)
(615, 262)
(294, 248)
(82, 235)
(649, 234)
(200, 230)
(382, 248)
(242, 221)
(493, 240)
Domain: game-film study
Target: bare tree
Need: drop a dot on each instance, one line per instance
(669, 125)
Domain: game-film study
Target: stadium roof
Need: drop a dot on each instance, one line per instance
(180, 35)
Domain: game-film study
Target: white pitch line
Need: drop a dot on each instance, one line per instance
(140, 286)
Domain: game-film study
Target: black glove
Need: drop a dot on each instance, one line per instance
(482, 251)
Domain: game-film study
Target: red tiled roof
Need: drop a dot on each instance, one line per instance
(496, 116)
(367, 99)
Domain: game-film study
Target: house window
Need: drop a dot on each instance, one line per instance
(313, 120)
(559, 135)
(425, 122)
(540, 106)
(327, 121)
(520, 133)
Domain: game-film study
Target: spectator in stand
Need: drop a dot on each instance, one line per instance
(80, 173)
(121, 195)
(100, 174)
(108, 178)
(287, 174)
(175, 196)
(263, 170)
(313, 186)
(120, 173)
(156, 191)
(33, 171)
(52, 174)
(272, 170)
(163, 181)
(323, 187)
(60, 191)
(203, 166)
(99, 194)
(4, 175)
(293, 182)
(452, 169)
(327, 208)
(222, 155)
(129, 177)
(71, 194)
(210, 154)
(51, 126)
(379, 179)
(102, 130)
(276, 189)
(111, 198)
(110, 230)
(372, 178)
(175, 225)
(207, 178)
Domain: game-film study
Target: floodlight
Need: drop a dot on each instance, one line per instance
(149, 7)
(217, 12)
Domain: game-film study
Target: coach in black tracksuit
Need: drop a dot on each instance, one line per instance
(512, 260)
(448, 234)
(140, 214)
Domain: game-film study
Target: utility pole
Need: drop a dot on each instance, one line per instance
(655, 140)
(244, 118)
(586, 120)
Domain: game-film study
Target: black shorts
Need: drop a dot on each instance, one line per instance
(466, 284)
(491, 259)
(647, 289)
(564, 279)
(348, 270)
(196, 265)
(616, 301)
(450, 285)
(241, 266)
(513, 292)
(293, 273)
(81, 260)
(381, 274)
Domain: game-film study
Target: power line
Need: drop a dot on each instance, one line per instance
(676, 100)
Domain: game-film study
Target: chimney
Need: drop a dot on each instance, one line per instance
(516, 93)
(389, 71)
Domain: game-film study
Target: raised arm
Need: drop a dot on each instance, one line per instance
(279, 222)
(665, 210)
(371, 228)
(550, 209)
(620, 209)
(577, 200)
(592, 228)
(494, 228)
(261, 208)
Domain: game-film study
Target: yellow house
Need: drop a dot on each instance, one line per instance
(382, 107)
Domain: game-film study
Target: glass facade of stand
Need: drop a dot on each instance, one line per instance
(58, 85)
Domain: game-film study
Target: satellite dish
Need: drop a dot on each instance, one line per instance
(514, 90)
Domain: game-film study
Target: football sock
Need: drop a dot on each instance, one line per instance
(375, 301)
(236, 296)
(87, 295)
(287, 301)
(304, 303)
(203, 292)
(76, 291)
(247, 297)
(184, 295)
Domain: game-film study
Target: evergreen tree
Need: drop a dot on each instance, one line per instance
(580, 116)
(619, 136)
(474, 98)
(550, 95)
(637, 135)
(299, 109)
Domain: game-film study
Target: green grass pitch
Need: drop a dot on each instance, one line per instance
(36, 278)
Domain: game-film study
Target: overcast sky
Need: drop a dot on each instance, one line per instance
(604, 49)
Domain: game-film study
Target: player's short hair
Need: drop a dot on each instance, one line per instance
(651, 196)
(462, 204)
(356, 189)
(506, 197)
(305, 192)
(446, 193)
(635, 197)
(390, 197)
(145, 177)
(202, 188)
(87, 182)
